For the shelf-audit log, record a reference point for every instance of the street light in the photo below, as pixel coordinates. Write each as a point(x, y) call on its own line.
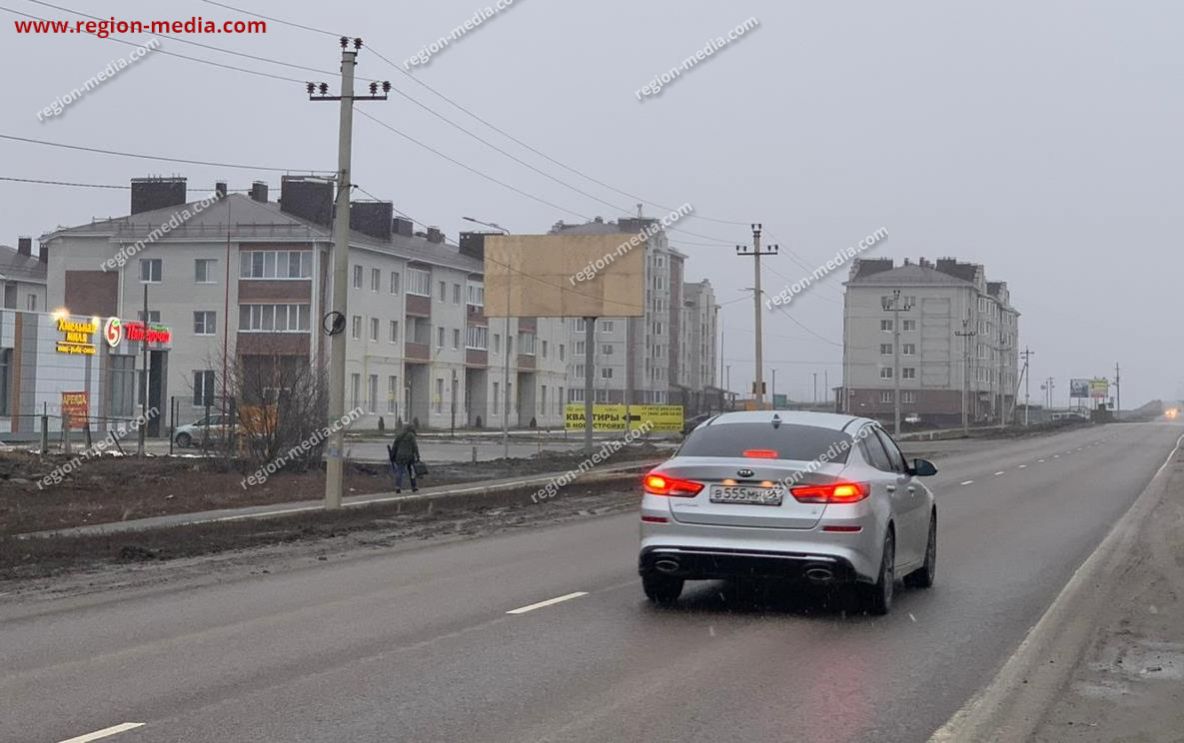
point(506, 377)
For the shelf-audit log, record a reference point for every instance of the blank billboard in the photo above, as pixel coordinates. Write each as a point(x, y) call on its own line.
point(565, 275)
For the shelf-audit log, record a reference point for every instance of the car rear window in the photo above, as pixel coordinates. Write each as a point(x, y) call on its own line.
point(804, 443)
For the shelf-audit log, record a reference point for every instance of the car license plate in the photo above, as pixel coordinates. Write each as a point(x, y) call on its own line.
point(745, 495)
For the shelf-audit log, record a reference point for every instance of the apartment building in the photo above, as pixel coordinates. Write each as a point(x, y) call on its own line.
point(22, 277)
point(697, 372)
point(642, 355)
point(959, 331)
point(250, 279)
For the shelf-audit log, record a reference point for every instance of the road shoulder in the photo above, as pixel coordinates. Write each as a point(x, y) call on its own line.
point(1042, 678)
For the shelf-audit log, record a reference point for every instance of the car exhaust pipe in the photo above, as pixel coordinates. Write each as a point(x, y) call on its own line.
point(667, 566)
point(819, 574)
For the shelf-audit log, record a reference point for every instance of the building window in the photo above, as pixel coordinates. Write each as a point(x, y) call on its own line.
point(606, 326)
point(908, 326)
point(544, 349)
point(355, 388)
point(394, 282)
point(275, 264)
point(606, 372)
point(580, 348)
point(394, 331)
point(439, 395)
point(204, 270)
point(606, 349)
point(357, 277)
point(476, 337)
point(496, 398)
point(909, 349)
point(526, 344)
point(203, 388)
point(885, 326)
point(580, 325)
point(31, 303)
point(392, 395)
point(575, 394)
point(456, 338)
point(273, 318)
point(886, 372)
point(6, 374)
point(543, 399)
point(153, 316)
point(122, 385)
point(205, 323)
point(373, 393)
point(375, 280)
point(442, 291)
point(440, 337)
point(561, 349)
point(419, 282)
point(908, 396)
point(497, 343)
point(374, 330)
point(579, 371)
point(355, 331)
point(908, 372)
point(150, 270)
point(456, 293)
point(886, 397)
point(476, 293)
point(601, 396)
point(885, 349)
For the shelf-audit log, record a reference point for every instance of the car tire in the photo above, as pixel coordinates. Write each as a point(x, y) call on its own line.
point(662, 589)
point(878, 596)
point(923, 576)
point(184, 440)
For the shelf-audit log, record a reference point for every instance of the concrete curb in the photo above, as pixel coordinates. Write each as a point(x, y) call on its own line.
point(1014, 703)
point(457, 492)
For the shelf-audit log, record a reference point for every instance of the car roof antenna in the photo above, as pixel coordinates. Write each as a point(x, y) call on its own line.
point(776, 421)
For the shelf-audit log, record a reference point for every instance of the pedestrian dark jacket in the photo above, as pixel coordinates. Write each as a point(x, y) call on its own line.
point(406, 448)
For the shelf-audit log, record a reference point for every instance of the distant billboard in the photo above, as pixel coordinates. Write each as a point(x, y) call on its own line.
point(1099, 389)
point(611, 417)
point(1079, 387)
point(565, 275)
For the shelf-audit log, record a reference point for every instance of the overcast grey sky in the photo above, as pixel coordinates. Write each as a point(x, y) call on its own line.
point(1041, 139)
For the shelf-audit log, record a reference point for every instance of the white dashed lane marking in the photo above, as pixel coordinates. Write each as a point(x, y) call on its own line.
point(1000, 472)
point(123, 727)
point(968, 482)
point(548, 602)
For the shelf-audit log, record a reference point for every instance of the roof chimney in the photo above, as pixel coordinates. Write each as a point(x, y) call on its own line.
point(403, 227)
point(259, 192)
point(24, 245)
point(435, 235)
point(157, 193)
point(220, 189)
point(372, 218)
point(307, 198)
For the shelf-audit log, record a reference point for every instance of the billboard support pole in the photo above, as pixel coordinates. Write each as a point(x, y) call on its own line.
point(589, 347)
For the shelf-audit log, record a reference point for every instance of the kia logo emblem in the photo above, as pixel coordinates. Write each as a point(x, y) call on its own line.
point(745, 473)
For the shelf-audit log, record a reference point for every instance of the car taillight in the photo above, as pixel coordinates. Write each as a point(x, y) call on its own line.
point(656, 484)
point(837, 492)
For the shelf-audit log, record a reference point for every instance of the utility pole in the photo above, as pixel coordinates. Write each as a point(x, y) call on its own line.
point(896, 306)
point(774, 390)
point(815, 388)
point(589, 361)
point(1117, 392)
point(143, 432)
point(1027, 354)
point(335, 321)
point(965, 335)
point(759, 384)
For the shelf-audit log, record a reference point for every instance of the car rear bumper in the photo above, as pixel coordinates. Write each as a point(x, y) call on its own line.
point(699, 563)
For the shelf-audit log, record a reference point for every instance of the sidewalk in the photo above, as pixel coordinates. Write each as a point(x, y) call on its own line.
point(1129, 683)
point(439, 492)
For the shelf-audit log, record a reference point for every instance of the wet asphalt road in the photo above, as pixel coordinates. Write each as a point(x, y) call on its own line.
point(418, 645)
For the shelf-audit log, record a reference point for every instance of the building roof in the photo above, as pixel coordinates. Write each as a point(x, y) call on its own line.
point(908, 275)
point(257, 221)
point(17, 267)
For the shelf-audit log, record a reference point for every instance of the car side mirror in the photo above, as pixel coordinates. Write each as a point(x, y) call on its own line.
point(923, 468)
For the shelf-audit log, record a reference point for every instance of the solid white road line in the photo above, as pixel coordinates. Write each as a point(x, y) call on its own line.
point(122, 727)
point(1000, 472)
point(968, 482)
point(1023, 466)
point(548, 602)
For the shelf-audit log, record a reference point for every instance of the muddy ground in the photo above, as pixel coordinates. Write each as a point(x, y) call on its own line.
point(82, 564)
point(122, 488)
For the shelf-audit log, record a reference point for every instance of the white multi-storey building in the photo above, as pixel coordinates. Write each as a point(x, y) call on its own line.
point(959, 332)
point(246, 278)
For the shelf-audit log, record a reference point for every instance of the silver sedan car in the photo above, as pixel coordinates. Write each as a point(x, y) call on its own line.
point(813, 497)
